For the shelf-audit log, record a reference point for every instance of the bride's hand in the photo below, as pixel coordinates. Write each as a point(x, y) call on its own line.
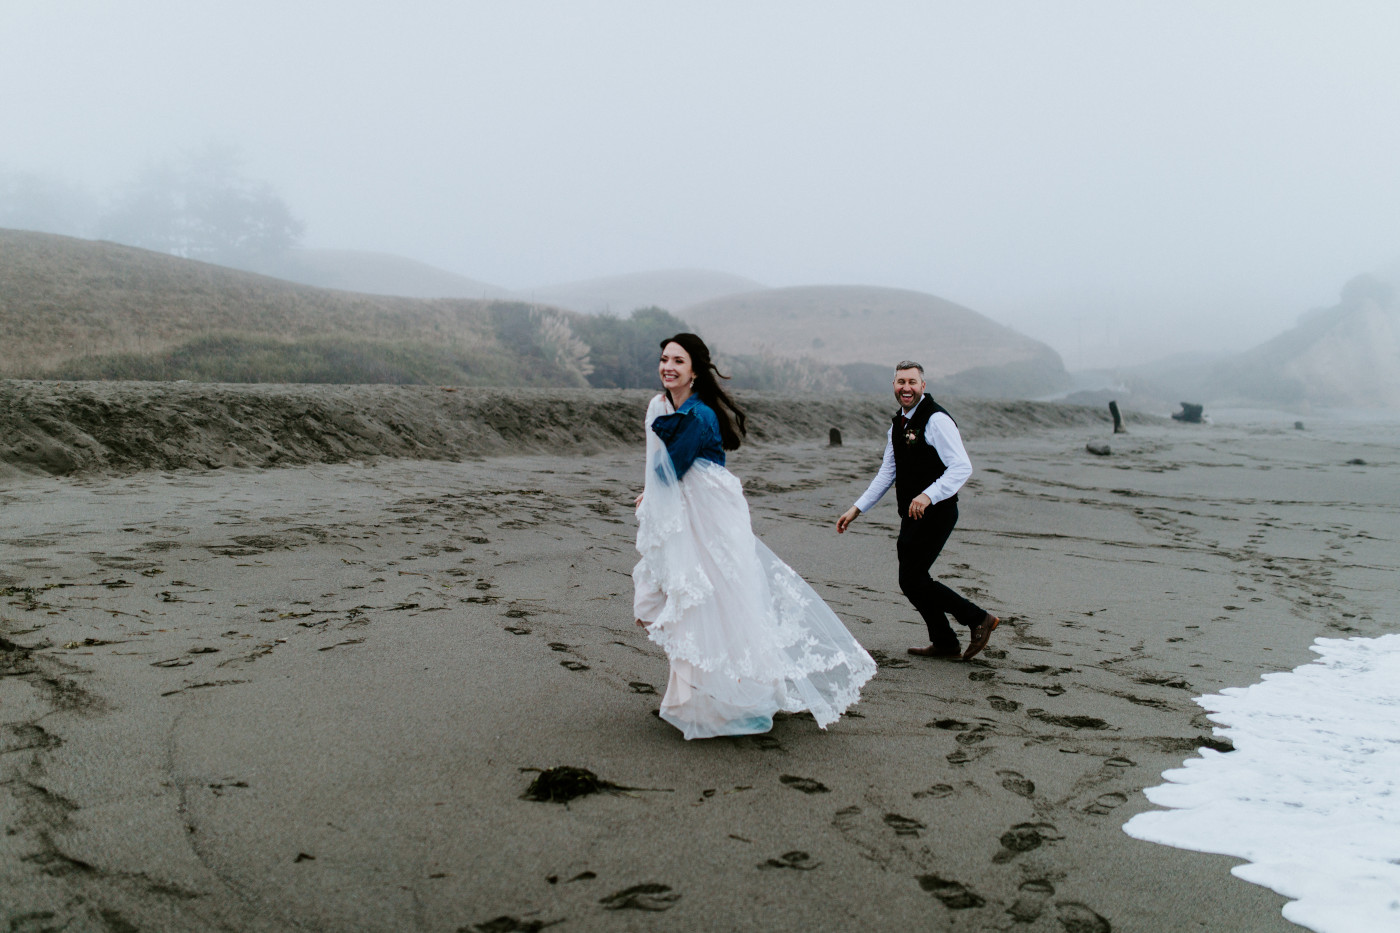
point(638, 503)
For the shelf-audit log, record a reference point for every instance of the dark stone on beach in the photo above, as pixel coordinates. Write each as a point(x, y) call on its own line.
point(835, 438)
point(1099, 450)
point(1297, 425)
point(1190, 413)
point(1356, 461)
point(1118, 427)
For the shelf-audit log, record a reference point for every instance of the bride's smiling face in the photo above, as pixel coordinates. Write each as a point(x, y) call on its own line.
point(675, 367)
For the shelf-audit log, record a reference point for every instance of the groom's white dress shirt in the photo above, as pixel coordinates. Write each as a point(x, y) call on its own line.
point(942, 435)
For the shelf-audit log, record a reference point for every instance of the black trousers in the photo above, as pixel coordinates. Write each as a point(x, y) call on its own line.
point(920, 541)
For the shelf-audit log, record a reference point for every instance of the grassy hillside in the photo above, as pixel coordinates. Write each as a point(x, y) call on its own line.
point(79, 309)
point(63, 298)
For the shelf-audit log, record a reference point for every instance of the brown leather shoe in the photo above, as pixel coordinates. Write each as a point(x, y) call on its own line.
point(981, 632)
point(950, 654)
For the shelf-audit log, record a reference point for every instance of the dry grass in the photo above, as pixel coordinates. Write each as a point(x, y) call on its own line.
point(62, 299)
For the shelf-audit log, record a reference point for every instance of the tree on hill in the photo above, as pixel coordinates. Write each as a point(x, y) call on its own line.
point(624, 351)
point(203, 208)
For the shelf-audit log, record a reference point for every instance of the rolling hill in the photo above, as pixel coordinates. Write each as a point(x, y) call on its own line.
point(865, 330)
point(77, 309)
point(74, 309)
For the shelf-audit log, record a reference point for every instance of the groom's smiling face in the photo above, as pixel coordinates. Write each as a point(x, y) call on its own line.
point(908, 386)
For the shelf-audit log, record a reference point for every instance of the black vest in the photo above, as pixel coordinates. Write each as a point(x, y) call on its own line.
point(917, 465)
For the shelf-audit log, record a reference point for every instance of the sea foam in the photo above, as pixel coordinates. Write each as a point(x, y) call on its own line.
point(1311, 794)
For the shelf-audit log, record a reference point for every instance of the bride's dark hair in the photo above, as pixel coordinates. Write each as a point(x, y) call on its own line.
point(731, 417)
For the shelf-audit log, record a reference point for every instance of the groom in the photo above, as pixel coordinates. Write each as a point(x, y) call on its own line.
point(927, 465)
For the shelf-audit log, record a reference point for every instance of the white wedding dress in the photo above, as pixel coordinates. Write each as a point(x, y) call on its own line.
point(745, 635)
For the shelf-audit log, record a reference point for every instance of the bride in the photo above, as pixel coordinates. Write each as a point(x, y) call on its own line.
point(746, 636)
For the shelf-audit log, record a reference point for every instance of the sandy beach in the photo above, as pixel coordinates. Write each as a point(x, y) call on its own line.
point(312, 697)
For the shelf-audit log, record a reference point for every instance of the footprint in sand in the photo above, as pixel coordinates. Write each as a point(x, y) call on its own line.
point(888, 661)
point(508, 924)
point(574, 665)
point(1077, 918)
point(806, 785)
point(903, 825)
point(963, 755)
point(642, 688)
point(1003, 705)
point(954, 894)
point(937, 791)
point(1106, 803)
point(974, 737)
point(1017, 783)
point(1068, 722)
point(651, 897)
point(1031, 902)
point(796, 859)
point(1023, 837)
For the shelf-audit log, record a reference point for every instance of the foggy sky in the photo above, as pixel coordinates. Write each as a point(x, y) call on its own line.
point(1121, 180)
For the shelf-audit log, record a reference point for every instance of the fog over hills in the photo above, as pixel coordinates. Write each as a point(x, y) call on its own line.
point(384, 274)
point(1345, 356)
point(372, 274)
point(671, 289)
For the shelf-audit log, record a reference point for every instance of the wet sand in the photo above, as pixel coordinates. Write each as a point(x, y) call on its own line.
point(313, 697)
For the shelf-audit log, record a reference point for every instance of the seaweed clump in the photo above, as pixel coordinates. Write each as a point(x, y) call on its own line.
point(565, 783)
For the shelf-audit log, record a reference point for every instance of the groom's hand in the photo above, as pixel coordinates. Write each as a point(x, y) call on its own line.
point(921, 502)
point(846, 518)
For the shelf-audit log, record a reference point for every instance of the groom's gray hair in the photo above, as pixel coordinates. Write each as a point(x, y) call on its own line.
point(909, 364)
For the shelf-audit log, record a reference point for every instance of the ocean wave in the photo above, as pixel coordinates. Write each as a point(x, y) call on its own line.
point(1311, 794)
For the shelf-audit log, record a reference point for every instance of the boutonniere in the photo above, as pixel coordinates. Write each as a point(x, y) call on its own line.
point(910, 437)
